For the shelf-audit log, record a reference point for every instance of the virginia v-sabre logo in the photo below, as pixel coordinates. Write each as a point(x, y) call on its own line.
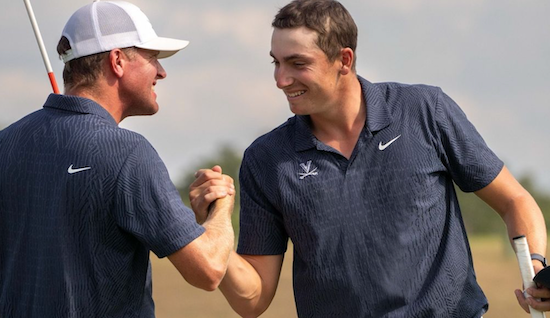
point(308, 170)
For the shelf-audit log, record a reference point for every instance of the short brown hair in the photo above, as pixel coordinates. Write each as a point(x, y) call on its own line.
point(332, 22)
point(83, 72)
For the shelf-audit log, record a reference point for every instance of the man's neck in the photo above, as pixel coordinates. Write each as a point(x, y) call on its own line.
point(103, 98)
point(341, 128)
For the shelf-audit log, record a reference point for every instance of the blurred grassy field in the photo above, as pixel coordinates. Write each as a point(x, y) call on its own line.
point(494, 262)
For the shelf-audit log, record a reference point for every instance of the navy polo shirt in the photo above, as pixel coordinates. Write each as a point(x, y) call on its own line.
point(380, 234)
point(82, 202)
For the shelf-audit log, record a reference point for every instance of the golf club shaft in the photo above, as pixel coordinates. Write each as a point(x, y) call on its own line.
point(38, 36)
point(526, 269)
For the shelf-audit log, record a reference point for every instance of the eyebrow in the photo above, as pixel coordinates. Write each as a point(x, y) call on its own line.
point(290, 57)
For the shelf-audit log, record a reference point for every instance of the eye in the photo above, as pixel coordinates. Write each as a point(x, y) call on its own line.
point(275, 62)
point(154, 56)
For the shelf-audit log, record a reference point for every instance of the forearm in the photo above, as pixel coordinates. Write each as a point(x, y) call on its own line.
point(524, 217)
point(250, 283)
point(219, 237)
point(518, 210)
point(203, 262)
point(242, 287)
point(530, 222)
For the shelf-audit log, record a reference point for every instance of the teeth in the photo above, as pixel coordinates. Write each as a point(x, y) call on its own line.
point(296, 94)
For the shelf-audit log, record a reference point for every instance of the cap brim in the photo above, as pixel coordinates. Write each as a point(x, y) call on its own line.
point(166, 46)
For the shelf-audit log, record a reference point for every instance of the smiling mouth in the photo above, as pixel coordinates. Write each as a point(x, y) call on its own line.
point(295, 94)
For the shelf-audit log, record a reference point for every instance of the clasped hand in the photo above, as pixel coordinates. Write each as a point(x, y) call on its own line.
point(209, 185)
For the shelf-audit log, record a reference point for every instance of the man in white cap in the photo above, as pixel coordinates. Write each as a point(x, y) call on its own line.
point(83, 202)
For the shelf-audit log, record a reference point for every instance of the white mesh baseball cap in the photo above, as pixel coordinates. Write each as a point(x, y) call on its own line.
point(105, 25)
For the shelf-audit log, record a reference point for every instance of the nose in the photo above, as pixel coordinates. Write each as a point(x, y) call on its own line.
point(161, 73)
point(283, 78)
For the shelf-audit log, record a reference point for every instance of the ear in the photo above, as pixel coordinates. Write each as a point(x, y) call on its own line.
point(347, 55)
point(117, 61)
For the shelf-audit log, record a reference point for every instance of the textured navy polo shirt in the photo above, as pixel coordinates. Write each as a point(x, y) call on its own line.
point(82, 202)
point(380, 234)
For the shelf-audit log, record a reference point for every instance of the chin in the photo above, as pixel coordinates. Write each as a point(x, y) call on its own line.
point(297, 111)
point(145, 112)
point(151, 110)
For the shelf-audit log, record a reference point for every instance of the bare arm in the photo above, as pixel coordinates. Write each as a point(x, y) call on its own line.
point(250, 282)
point(522, 216)
point(203, 262)
point(518, 210)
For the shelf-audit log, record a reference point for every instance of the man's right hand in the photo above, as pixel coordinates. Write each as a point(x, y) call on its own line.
point(209, 185)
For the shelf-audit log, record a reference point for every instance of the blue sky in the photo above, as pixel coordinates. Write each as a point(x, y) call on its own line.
point(491, 57)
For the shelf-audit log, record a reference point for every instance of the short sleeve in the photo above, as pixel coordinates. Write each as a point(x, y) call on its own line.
point(471, 163)
point(262, 230)
point(148, 205)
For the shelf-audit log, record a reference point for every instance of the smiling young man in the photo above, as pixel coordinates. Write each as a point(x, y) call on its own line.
point(362, 181)
point(83, 201)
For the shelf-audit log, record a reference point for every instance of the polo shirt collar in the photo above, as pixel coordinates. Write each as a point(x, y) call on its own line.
point(378, 113)
point(304, 138)
point(378, 117)
point(76, 104)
